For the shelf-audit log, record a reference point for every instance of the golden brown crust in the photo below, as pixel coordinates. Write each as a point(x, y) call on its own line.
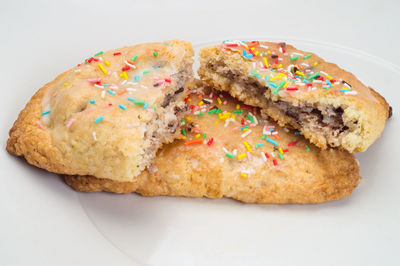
point(202, 170)
point(68, 141)
point(366, 107)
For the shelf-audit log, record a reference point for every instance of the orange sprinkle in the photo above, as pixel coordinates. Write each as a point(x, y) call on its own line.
point(122, 92)
point(193, 141)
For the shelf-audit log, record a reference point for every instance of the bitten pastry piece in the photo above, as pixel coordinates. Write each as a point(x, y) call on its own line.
point(107, 116)
point(227, 150)
point(329, 105)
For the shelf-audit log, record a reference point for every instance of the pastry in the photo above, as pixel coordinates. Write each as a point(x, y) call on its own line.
point(327, 104)
point(109, 115)
point(229, 149)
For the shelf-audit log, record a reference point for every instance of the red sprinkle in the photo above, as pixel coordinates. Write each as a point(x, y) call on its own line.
point(266, 155)
point(231, 45)
point(292, 89)
point(95, 59)
point(117, 53)
point(292, 143)
point(210, 142)
point(242, 122)
point(110, 104)
point(125, 68)
point(90, 60)
point(285, 150)
point(275, 162)
point(167, 80)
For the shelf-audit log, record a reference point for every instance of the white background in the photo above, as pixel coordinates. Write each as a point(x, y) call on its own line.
point(41, 219)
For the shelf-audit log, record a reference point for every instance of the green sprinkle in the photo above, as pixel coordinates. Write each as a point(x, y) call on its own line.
point(183, 132)
point(264, 136)
point(154, 107)
point(98, 119)
point(325, 87)
point(308, 148)
point(255, 74)
point(183, 120)
point(212, 111)
point(277, 89)
point(46, 112)
point(146, 72)
point(204, 135)
point(134, 58)
point(259, 144)
point(313, 76)
point(294, 58)
point(229, 155)
point(306, 56)
point(200, 113)
point(280, 155)
point(155, 54)
point(238, 112)
point(218, 111)
point(250, 118)
point(122, 107)
point(99, 53)
point(139, 102)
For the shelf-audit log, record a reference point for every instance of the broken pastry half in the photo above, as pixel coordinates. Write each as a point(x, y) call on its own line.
point(327, 104)
point(109, 115)
point(228, 149)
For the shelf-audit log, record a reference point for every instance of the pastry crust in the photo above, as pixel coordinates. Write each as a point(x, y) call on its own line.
point(305, 174)
point(107, 116)
point(298, 88)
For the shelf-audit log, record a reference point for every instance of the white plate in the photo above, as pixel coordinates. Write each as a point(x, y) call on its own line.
point(360, 230)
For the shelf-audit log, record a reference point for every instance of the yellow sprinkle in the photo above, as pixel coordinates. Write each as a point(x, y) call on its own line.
point(286, 84)
point(329, 77)
point(256, 53)
point(65, 84)
point(224, 116)
point(237, 106)
point(243, 175)
point(276, 77)
point(245, 129)
point(219, 100)
point(280, 65)
point(241, 156)
point(252, 48)
point(299, 73)
point(233, 116)
point(107, 63)
point(265, 62)
point(216, 122)
point(200, 103)
point(102, 68)
point(183, 137)
point(280, 150)
point(282, 75)
point(247, 146)
point(315, 63)
point(198, 136)
point(268, 52)
point(188, 118)
point(189, 100)
point(125, 75)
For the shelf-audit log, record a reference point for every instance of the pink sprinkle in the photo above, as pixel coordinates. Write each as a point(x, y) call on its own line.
point(97, 80)
point(248, 155)
point(55, 94)
point(225, 102)
point(40, 125)
point(150, 110)
point(70, 122)
point(235, 129)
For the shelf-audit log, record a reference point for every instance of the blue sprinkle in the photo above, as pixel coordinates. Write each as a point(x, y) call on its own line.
point(297, 133)
point(272, 141)
point(244, 52)
point(271, 129)
point(248, 56)
point(145, 105)
point(329, 83)
point(46, 112)
point(131, 99)
point(272, 84)
point(167, 43)
point(244, 127)
point(122, 107)
point(106, 85)
point(259, 144)
point(110, 92)
point(98, 119)
point(305, 81)
point(137, 78)
point(92, 101)
point(344, 90)
point(266, 78)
